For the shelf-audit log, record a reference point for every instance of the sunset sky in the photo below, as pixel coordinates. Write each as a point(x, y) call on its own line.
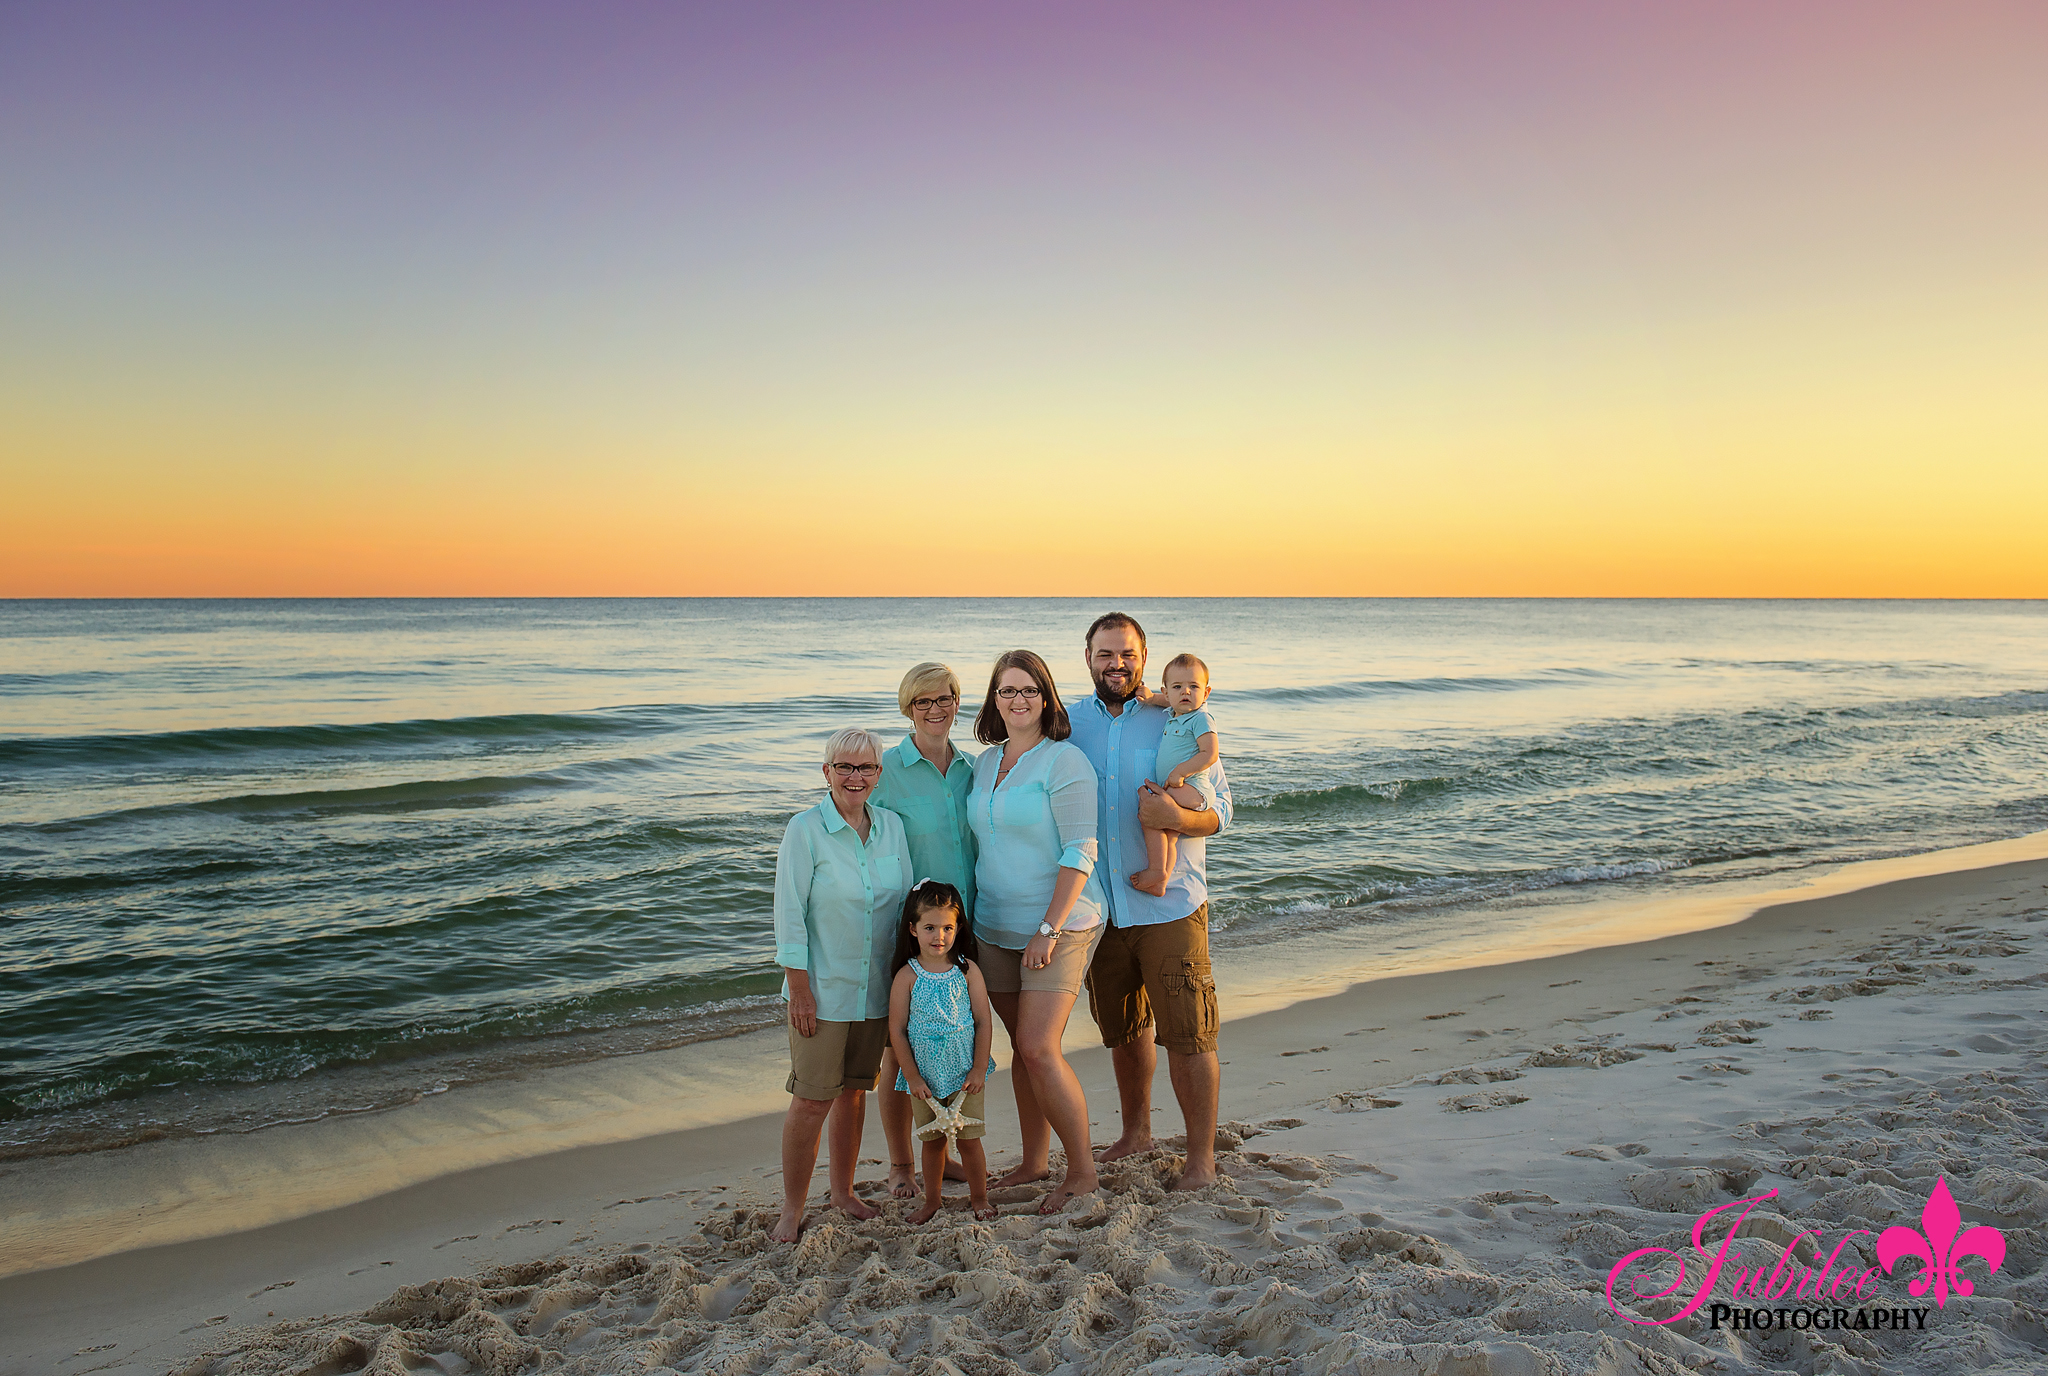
point(1378, 299)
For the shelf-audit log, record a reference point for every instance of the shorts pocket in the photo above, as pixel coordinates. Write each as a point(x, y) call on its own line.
point(1185, 974)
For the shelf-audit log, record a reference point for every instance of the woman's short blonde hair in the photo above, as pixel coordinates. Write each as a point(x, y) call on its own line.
point(928, 680)
point(853, 741)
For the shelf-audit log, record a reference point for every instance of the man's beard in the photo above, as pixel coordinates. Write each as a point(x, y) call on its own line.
point(1111, 695)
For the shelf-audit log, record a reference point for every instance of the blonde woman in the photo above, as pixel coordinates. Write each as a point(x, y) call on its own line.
point(841, 877)
point(925, 781)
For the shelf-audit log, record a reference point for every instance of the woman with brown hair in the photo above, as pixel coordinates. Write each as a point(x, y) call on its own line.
point(1038, 905)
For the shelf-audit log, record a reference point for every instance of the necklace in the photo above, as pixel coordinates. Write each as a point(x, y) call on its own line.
point(1004, 767)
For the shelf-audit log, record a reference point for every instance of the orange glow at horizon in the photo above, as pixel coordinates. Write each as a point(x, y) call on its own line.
point(1737, 301)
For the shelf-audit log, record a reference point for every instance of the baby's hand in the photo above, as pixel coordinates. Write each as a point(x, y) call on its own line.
point(1176, 779)
point(1151, 698)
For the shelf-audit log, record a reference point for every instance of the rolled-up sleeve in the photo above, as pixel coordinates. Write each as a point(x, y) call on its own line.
point(1070, 787)
point(1224, 807)
point(793, 866)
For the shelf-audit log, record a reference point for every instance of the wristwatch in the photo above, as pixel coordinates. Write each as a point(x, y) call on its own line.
point(1047, 929)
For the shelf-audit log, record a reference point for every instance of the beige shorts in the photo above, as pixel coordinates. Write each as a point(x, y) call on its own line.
point(1002, 969)
point(1161, 973)
point(921, 1113)
point(838, 1057)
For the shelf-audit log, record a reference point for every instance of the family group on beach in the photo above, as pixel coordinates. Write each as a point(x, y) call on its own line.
point(930, 887)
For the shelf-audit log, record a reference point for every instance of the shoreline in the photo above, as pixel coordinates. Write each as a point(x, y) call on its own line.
point(635, 1192)
point(78, 1206)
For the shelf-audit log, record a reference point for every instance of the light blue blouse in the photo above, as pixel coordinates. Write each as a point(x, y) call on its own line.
point(838, 903)
point(1041, 820)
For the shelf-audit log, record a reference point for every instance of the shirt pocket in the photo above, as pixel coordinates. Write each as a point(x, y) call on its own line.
point(1023, 805)
point(1144, 765)
point(921, 816)
point(887, 875)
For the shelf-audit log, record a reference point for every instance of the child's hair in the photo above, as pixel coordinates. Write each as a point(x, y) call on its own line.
point(1189, 662)
point(925, 895)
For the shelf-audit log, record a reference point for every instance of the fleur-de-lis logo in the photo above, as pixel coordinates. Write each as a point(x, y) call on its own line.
point(1940, 1249)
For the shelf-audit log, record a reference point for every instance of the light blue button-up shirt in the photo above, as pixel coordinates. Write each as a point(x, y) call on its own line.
point(838, 903)
point(934, 812)
point(1125, 752)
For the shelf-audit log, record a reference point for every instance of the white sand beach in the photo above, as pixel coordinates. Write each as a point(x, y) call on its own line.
point(1427, 1173)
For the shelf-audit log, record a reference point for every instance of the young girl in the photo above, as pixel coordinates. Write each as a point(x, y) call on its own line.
point(939, 1025)
point(1186, 753)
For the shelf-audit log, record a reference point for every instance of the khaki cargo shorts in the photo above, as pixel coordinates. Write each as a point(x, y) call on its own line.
point(1160, 975)
point(838, 1057)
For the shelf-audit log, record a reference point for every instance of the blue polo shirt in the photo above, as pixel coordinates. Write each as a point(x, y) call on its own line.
point(1125, 752)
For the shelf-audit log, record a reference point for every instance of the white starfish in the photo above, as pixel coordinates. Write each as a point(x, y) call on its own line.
point(947, 1118)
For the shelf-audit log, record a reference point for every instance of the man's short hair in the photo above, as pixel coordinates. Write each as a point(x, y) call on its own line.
point(1189, 661)
point(852, 740)
point(1105, 621)
point(930, 679)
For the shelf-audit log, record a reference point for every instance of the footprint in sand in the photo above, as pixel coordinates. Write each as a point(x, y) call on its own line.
point(1482, 1101)
point(1309, 1052)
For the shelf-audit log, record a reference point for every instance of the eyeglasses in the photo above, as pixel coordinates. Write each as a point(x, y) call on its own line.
point(927, 704)
point(848, 771)
point(1006, 694)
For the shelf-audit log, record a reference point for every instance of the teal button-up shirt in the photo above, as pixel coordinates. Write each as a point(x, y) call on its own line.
point(934, 812)
point(837, 906)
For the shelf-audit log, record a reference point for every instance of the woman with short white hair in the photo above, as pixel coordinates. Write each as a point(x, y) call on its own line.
point(840, 880)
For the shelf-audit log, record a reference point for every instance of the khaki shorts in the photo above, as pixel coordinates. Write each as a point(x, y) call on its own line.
point(921, 1113)
point(839, 1057)
point(1002, 969)
point(1158, 972)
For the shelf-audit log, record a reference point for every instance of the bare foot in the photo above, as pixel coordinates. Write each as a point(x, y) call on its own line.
point(789, 1225)
point(956, 1171)
point(1149, 881)
point(983, 1210)
point(1126, 1145)
point(924, 1214)
point(1023, 1175)
point(1196, 1178)
point(1073, 1187)
point(859, 1208)
point(902, 1181)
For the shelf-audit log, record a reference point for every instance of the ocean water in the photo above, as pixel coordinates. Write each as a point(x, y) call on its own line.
point(269, 860)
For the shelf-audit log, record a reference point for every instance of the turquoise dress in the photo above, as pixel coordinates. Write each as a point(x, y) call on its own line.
point(940, 1027)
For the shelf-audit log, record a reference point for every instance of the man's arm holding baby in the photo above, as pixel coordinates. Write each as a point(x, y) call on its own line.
point(1157, 809)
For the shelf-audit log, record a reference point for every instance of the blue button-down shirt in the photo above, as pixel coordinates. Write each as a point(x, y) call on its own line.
point(838, 903)
point(1125, 752)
